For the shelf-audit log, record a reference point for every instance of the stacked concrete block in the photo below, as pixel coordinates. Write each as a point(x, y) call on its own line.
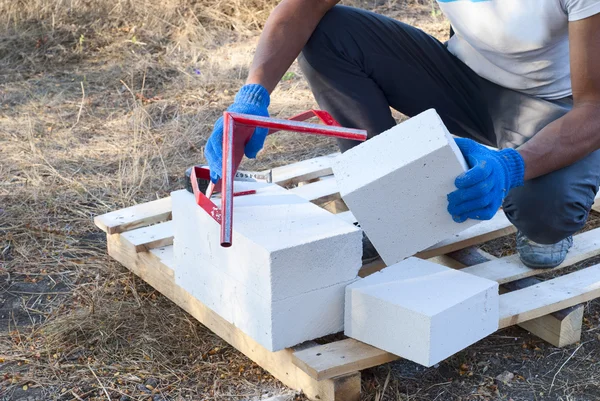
point(421, 311)
point(282, 282)
point(396, 185)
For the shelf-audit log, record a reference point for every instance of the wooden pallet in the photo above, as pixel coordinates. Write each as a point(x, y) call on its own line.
point(141, 238)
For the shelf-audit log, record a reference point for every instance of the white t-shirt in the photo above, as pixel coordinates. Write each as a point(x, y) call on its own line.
point(518, 44)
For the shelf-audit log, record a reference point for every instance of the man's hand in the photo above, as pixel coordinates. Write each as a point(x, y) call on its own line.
point(483, 187)
point(251, 99)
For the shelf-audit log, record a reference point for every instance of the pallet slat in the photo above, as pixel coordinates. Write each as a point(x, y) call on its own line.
point(320, 191)
point(303, 171)
point(509, 268)
point(340, 357)
point(549, 296)
point(147, 238)
point(135, 216)
point(560, 328)
point(497, 227)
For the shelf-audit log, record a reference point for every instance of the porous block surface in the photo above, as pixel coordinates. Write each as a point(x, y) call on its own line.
point(421, 311)
point(396, 185)
point(282, 281)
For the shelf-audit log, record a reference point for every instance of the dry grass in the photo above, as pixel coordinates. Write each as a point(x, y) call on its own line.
point(103, 104)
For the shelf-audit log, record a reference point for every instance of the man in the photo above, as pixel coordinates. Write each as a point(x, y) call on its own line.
point(521, 75)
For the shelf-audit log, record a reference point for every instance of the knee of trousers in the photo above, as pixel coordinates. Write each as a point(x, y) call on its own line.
point(546, 218)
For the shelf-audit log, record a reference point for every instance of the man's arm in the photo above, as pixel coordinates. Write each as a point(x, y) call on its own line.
point(576, 134)
point(286, 31)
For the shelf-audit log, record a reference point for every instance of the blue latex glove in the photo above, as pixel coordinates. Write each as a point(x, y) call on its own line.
point(251, 99)
point(481, 189)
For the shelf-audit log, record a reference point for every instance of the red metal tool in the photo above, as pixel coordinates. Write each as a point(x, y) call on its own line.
point(238, 128)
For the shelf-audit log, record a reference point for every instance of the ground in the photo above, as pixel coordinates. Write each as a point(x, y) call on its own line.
point(103, 105)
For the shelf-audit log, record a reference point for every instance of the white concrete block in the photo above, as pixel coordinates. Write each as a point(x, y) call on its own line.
point(273, 324)
point(396, 185)
point(283, 245)
point(282, 282)
point(421, 311)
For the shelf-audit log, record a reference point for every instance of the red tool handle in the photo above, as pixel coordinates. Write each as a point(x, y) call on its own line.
point(233, 151)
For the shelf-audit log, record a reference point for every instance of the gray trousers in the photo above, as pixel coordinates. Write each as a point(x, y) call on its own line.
point(359, 64)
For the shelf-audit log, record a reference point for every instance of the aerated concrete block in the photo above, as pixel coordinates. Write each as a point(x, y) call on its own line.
point(396, 185)
point(282, 281)
point(421, 311)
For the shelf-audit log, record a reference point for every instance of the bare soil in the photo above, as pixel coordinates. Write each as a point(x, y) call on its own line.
point(103, 105)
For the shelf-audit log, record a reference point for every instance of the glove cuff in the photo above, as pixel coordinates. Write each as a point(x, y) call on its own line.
point(254, 94)
point(515, 165)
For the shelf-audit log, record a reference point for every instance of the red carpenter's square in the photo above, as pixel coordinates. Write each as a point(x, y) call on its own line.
point(237, 130)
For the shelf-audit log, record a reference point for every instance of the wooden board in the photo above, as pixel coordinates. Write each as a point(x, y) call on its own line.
point(488, 230)
point(135, 216)
point(340, 357)
point(504, 270)
point(145, 238)
point(560, 328)
point(303, 171)
point(549, 296)
point(151, 269)
point(320, 191)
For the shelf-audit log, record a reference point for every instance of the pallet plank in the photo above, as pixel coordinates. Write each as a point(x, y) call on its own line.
point(560, 328)
point(320, 191)
point(149, 268)
point(488, 230)
point(549, 296)
point(510, 268)
point(136, 216)
point(340, 357)
point(303, 171)
point(146, 238)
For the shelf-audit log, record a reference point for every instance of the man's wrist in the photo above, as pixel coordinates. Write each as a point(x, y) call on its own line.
point(254, 94)
point(515, 166)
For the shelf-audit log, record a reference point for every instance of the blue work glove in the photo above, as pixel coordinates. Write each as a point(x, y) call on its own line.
point(251, 99)
point(481, 189)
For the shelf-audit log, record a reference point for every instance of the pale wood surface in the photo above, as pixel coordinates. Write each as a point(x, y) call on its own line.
point(135, 216)
point(485, 231)
point(510, 268)
point(146, 238)
point(320, 191)
point(560, 328)
point(303, 171)
point(150, 268)
point(549, 296)
point(340, 357)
